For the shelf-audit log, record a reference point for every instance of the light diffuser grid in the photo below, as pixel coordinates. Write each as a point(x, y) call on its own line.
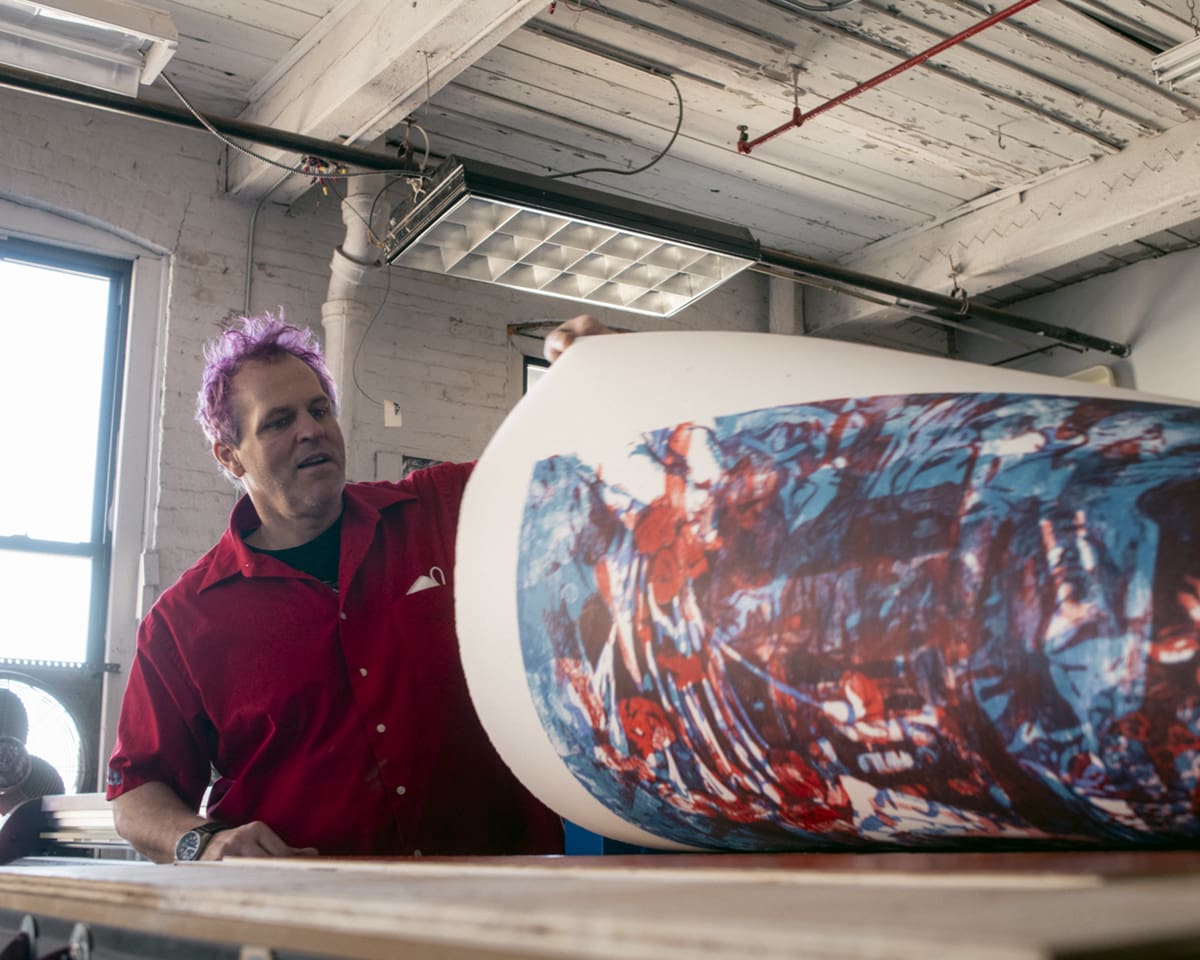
point(496, 242)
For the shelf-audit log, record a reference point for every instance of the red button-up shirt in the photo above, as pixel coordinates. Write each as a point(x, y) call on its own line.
point(340, 719)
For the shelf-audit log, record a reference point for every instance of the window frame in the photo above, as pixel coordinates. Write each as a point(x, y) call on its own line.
point(78, 685)
point(528, 361)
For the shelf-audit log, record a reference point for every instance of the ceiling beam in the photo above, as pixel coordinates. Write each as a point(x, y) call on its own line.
point(365, 68)
point(1149, 187)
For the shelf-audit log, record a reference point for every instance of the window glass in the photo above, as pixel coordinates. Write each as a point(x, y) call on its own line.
point(46, 603)
point(54, 327)
point(534, 367)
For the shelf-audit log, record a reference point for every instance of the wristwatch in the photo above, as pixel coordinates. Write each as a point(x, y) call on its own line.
point(192, 843)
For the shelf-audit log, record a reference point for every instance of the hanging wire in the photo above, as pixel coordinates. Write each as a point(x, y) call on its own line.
point(307, 169)
point(320, 175)
point(387, 289)
point(366, 221)
point(646, 166)
point(428, 86)
point(250, 231)
point(409, 126)
point(415, 184)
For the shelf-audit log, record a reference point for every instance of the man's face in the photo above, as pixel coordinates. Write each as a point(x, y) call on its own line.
point(290, 457)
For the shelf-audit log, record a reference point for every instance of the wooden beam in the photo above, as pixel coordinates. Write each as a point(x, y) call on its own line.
point(365, 68)
point(1149, 187)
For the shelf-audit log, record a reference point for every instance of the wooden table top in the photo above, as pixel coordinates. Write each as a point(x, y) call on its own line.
point(992, 906)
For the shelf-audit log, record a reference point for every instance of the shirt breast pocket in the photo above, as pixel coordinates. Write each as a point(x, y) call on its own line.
point(422, 637)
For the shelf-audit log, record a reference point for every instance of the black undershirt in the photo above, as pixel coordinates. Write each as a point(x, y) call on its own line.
point(318, 558)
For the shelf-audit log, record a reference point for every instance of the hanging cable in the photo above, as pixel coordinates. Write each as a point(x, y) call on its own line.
point(416, 183)
point(309, 163)
point(646, 166)
point(250, 240)
point(410, 125)
point(387, 289)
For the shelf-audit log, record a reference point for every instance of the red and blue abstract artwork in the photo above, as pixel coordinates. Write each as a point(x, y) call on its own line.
point(912, 620)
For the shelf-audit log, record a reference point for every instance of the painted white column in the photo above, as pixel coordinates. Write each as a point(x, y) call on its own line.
point(347, 310)
point(785, 307)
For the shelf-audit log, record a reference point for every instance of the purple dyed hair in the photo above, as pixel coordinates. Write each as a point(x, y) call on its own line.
point(264, 338)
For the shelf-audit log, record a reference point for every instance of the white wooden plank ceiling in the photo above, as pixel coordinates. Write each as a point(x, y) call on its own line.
point(1033, 154)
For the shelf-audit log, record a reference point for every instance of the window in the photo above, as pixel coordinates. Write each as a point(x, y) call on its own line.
point(63, 319)
point(534, 368)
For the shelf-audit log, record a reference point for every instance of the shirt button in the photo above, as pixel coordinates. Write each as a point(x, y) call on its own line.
point(401, 791)
point(381, 728)
point(342, 614)
point(363, 671)
point(416, 853)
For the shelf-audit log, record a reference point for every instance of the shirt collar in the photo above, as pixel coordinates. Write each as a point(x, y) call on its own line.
point(361, 505)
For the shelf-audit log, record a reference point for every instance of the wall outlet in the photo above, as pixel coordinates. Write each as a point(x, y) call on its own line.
point(391, 414)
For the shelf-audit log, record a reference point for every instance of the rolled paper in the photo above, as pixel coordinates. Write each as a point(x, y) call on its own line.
point(749, 592)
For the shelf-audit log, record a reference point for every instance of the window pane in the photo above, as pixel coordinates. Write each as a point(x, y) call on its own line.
point(45, 600)
point(53, 325)
point(534, 370)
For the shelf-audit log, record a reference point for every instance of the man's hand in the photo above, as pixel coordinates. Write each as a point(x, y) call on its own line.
point(567, 333)
point(251, 840)
point(153, 818)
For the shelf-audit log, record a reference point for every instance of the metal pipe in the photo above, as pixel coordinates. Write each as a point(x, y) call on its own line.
point(251, 132)
point(940, 304)
point(745, 145)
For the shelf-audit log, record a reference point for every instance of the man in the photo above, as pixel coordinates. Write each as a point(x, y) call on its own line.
point(309, 658)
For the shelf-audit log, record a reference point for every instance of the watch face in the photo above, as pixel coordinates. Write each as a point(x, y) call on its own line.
point(190, 846)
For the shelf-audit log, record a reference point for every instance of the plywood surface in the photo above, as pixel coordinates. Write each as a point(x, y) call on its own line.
point(877, 906)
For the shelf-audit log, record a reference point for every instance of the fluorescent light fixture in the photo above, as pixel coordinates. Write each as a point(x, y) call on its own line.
point(482, 222)
point(111, 44)
point(1179, 64)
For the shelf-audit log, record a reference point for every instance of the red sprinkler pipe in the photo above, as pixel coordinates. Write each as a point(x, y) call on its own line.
point(799, 117)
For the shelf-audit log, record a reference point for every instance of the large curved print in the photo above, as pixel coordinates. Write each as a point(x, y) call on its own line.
point(911, 619)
